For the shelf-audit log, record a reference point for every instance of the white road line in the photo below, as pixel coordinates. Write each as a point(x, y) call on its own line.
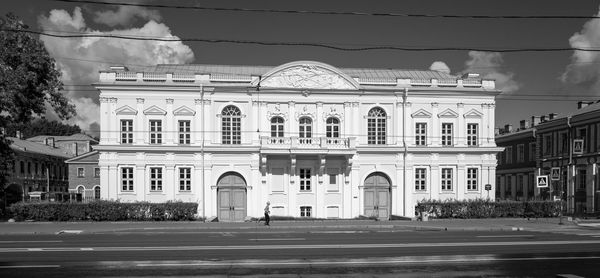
point(339, 232)
point(31, 241)
point(276, 239)
point(590, 234)
point(507, 236)
point(300, 246)
point(30, 266)
point(69, 232)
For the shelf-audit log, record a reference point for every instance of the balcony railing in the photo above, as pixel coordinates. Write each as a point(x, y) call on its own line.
point(308, 143)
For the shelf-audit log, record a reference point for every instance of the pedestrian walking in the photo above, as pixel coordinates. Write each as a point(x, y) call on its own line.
point(267, 212)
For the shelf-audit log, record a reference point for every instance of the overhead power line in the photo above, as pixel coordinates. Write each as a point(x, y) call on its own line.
point(321, 12)
point(320, 45)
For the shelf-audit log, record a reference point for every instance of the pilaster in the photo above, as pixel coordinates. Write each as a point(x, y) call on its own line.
point(139, 127)
point(170, 126)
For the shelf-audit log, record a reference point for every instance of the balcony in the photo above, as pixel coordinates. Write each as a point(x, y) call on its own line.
point(316, 145)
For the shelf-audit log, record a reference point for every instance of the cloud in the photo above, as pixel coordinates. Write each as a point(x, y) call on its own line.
point(488, 65)
point(584, 68)
point(125, 15)
point(440, 66)
point(80, 59)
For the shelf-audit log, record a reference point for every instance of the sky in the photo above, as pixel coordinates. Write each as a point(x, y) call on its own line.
point(532, 83)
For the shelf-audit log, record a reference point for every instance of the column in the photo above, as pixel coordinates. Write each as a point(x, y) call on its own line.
point(436, 136)
point(105, 114)
point(356, 206)
point(397, 124)
point(209, 120)
point(114, 122)
point(319, 130)
point(461, 185)
point(107, 193)
point(409, 125)
point(259, 195)
point(139, 127)
point(139, 182)
point(491, 122)
point(461, 137)
point(292, 124)
point(170, 127)
point(435, 183)
point(346, 121)
point(197, 182)
point(255, 122)
point(197, 126)
point(484, 137)
point(358, 126)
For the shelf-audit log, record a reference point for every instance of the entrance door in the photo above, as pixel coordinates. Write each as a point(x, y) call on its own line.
point(231, 196)
point(377, 196)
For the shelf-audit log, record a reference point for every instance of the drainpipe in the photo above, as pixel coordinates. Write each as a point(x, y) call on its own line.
point(404, 98)
point(202, 152)
point(570, 168)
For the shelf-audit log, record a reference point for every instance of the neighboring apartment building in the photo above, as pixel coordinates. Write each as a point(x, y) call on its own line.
point(74, 145)
point(314, 140)
point(84, 177)
point(572, 144)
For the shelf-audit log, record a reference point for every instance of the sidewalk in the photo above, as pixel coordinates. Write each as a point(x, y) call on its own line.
point(498, 224)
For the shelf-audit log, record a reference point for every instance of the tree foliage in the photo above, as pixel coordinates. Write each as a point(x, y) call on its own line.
point(42, 126)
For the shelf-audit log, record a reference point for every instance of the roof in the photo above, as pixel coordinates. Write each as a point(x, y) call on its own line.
point(33, 147)
point(240, 70)
point(74, 137)
point(90, 157)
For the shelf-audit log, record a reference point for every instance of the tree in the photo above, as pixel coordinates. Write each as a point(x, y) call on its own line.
point(29, 82)
point(42, 126)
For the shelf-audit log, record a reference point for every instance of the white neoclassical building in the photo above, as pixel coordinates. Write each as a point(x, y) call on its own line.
point(314, 140)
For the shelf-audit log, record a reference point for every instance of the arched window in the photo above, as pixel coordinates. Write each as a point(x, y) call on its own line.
point(97, 192)
point(231, 125)
point(277, 127)
point(305, 128)
point(376, 126)
point(332, 127)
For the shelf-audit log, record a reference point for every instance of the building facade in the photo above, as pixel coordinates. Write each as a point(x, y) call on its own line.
point(84, 177)
point(314, 140)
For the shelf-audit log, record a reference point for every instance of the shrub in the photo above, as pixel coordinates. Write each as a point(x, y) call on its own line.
point(104, 211)
point(483, 208)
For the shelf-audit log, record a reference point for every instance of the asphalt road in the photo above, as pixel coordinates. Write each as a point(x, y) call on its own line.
point(270, 252)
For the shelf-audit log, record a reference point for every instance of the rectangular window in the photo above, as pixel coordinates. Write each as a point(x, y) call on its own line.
point(531, 152)
point(305, 211)
point(508, 155)
point(520, 185)
point(446, 134)
point(305, 179)
point(184, 132)
point(548, 144)
point(421, 134)
point(563, 142)
point(155, 132)
point(472, 130)
point(581, 177)
point(472, 177)
point(96, 172)
point(420, 179)
point(581, 133)
point(185, 179)
point(508, 188)
point(520, 153)
point(155, 179)
point(447, 179)
point(126, 131)
point(530, 186)
point(127, 179)
point(80, 172)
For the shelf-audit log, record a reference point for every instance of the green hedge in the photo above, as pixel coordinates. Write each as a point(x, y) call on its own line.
point(104, 211)
point(483, 208)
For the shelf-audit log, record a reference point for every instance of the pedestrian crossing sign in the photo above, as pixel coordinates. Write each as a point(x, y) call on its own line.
point(555, 173)
point(542, 181)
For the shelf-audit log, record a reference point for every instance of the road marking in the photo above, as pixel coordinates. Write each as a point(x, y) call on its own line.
point(277, 239)
point(339, 232)
point(31, 241)
point(30, 266)
point(507, 236)
point(308, 246)
point(69, 232)
point(86, 249)
point(590, 234)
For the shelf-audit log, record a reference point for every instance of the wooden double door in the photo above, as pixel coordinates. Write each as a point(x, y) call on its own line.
point(377, 202)
point(231, 196)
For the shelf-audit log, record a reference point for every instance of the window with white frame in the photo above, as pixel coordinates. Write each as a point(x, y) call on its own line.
point(277, 127)
point(155, 131)
point(185, 132)
point(155, 179)
point(305, 179)
point(332, 127)
point(231, 125)
point(421, 179)
point(305, 211)
point(472, 130)
point(447, 179)
point(127, 179)
point(520, 153)
point(472, 177)
point(126, 131)
point(333, 179)
point(421, 134)
point(305, 129)
point(185, 179)
point(376, 126)
point(80, 172)
point(96, 172)
point(447, 134)
point(508, 155)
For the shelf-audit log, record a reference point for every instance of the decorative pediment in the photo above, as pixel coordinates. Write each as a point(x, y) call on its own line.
point(125, 110)
point(448, 113)
point(421, 113)
point(184, 111)
point(154, 110)
point(333, 112)
point(473, 114)
point(304, 112)
point(307, 75)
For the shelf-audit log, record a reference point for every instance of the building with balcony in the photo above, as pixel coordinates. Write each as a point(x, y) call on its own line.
point(314, 140)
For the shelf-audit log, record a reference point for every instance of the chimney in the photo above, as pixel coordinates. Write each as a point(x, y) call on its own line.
point(581, 104)
point(508, 128)
point(552, 116)
point(542, 118)
point(535, 120)
point(50, 141)
point(523, 124)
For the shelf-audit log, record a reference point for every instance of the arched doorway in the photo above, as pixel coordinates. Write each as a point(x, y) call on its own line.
point(377, 201)
point(231, 197)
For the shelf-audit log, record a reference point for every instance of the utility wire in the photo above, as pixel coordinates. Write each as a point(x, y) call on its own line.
point(322, 12)
point(328, 46)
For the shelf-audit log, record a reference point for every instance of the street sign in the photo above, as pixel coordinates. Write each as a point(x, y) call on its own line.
point(488, 187)
point(578, 146)
point(542, 181)
point(555, 173)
